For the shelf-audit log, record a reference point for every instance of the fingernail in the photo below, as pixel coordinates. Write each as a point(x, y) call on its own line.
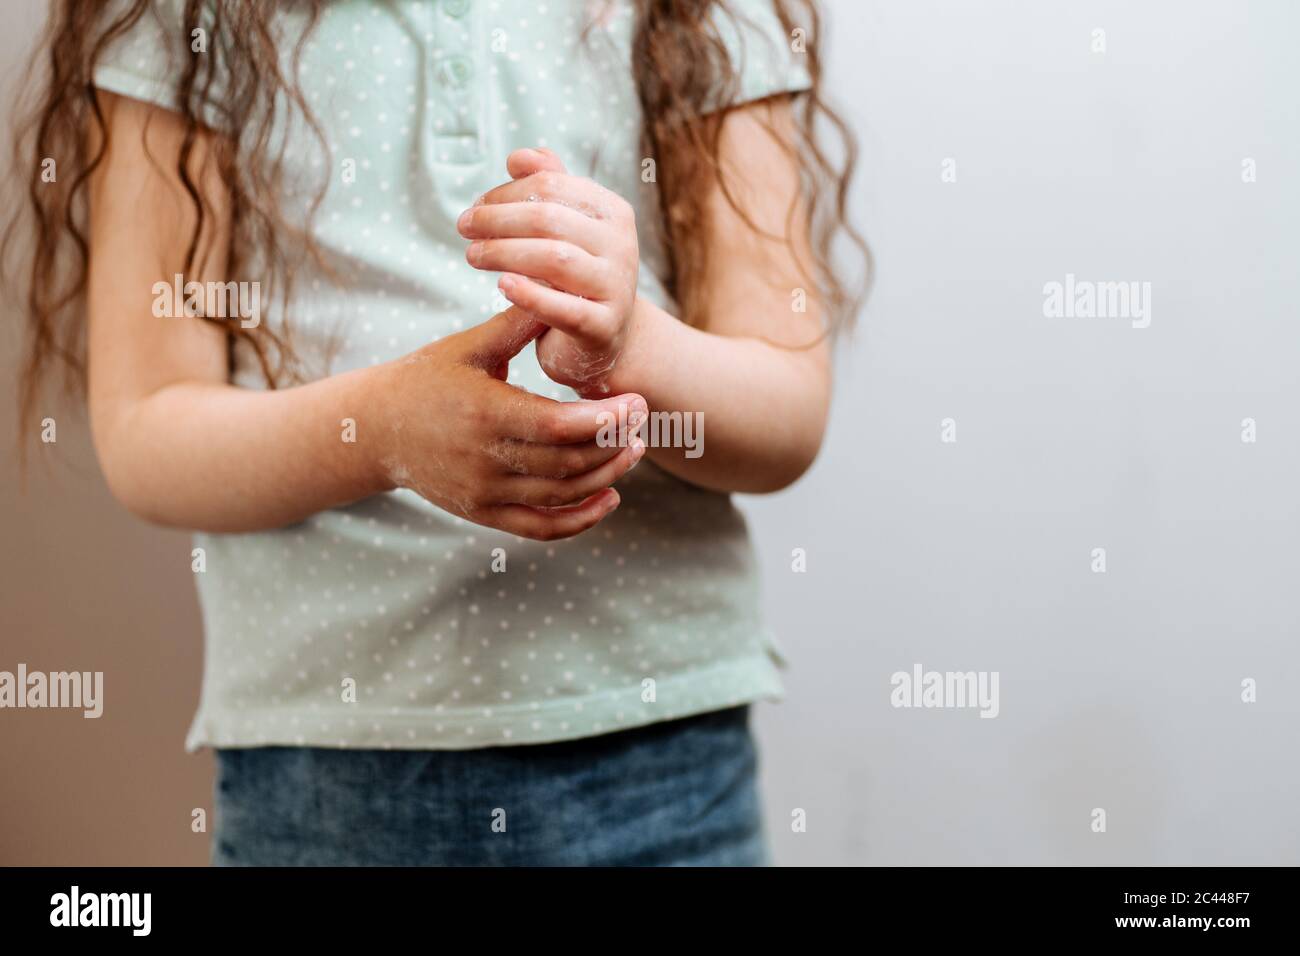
point(465, 219)
point(637, 413)
point(474, 253)
point(638, 449)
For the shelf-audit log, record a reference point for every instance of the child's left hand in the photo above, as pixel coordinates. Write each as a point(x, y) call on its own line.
point(568, 249)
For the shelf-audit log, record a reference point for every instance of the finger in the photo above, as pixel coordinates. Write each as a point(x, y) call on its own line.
point(534, 159)
point(579, 317)
point(553, 493)
point(560, 263)
point(551, 461)
point(586, 196)
point(493, 343)
point(550, 524)
point(533, 220)
point(548, 422)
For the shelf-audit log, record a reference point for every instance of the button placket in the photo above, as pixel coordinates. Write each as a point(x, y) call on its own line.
point(456, 134)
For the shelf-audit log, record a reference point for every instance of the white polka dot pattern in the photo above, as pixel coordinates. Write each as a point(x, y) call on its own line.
point(387, 623)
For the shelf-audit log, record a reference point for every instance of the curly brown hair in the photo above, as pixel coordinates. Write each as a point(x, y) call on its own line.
point(681, 66)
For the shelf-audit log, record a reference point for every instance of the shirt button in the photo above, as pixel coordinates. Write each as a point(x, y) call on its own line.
point(455, 71)
point(455, 8)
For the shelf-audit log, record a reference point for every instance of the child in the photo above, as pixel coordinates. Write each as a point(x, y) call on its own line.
point(448, 620)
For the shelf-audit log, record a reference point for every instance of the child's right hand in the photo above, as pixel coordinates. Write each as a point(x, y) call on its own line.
point(453, 431)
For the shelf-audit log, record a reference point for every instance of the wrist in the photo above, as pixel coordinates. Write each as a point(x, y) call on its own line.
point(647, 328)
point(368, 399)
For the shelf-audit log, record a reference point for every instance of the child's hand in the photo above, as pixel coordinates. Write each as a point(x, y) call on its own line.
point(568, 248)
point(456, 434)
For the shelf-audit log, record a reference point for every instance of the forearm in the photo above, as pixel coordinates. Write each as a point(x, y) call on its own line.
point(214, 457)
point(763, 407)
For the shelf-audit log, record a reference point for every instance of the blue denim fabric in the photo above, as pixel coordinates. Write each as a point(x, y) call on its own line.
point(683, 792)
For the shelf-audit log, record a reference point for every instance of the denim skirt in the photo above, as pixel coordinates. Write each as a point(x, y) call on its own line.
point(677, 793)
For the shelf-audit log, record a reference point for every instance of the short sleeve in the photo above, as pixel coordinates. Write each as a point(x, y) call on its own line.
point(767, 59)
point(141, 63)
point(146, 61)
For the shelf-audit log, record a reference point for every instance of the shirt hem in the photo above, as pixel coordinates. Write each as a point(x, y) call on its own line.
point(407, 728)
point(146, 89)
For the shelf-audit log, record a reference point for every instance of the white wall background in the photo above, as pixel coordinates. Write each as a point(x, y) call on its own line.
point(1119, 690)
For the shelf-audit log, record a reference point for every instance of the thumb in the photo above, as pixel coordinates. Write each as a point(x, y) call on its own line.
point(536, 159)
point(494, 343)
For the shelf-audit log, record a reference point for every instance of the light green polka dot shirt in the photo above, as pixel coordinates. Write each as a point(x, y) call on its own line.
point(390, 623)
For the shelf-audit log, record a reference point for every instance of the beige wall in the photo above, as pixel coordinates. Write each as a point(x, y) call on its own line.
point(84, 586)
